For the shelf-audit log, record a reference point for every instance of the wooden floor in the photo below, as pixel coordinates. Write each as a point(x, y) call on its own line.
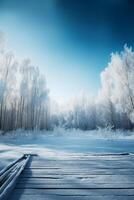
point(98, 177)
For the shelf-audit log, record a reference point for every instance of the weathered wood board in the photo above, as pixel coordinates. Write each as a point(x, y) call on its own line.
point(73, 177)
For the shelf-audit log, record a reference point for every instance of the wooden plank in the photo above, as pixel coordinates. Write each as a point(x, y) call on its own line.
point(82, 171)
point(81, 176)
point(76, 192)
point(108, 160)
point(79, 164)
point(54, 197)
point(85, 156)
point(88, 166)
point(86, 177)
point(82, 180)
point(76, 186)
point(83, 164)
point(84, 160)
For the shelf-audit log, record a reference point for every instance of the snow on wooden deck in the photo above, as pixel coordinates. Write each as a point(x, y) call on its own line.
point(88, 177)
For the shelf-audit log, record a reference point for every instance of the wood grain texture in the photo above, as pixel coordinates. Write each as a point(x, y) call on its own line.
point(73, 177)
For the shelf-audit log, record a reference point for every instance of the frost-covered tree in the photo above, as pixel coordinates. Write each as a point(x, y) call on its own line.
point(117, 92)
point(80, 115)
point(24, 99)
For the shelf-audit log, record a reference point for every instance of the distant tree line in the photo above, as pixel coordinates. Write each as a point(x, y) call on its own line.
point(25, 102)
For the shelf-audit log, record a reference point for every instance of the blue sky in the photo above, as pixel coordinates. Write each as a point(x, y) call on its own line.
point(70, 40)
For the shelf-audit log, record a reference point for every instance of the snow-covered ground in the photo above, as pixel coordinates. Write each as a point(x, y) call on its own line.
point(63, 142)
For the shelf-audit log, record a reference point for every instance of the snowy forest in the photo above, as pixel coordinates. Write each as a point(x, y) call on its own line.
point(25, 102)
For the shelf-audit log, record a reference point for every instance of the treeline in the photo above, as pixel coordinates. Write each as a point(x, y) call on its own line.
point(114, 105)
point(24, 100)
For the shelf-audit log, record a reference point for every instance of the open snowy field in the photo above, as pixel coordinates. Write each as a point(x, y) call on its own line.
point(61, 142)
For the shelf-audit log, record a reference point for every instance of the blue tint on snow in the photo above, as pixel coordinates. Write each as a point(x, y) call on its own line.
point(77, 144)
